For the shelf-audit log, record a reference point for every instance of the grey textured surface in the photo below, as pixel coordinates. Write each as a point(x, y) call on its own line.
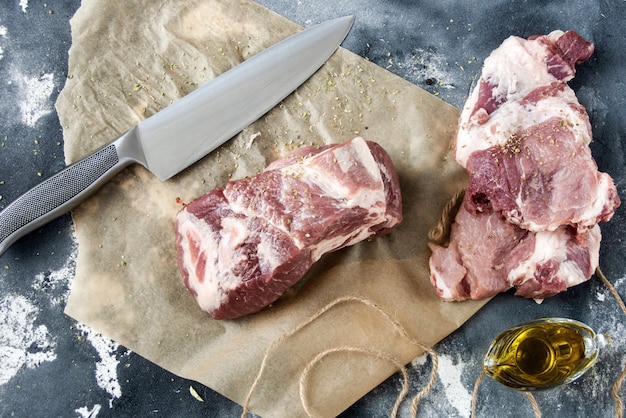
point(50, 366)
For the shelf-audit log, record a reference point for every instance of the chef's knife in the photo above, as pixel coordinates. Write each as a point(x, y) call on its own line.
point(182, 133)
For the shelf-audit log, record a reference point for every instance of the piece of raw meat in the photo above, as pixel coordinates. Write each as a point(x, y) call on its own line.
point(240, 247)
point(488, 255)
point(534, 197)
point(523, 138)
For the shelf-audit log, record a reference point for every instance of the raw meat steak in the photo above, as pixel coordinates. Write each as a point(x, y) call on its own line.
point(523, 138)
point(529, 217)
point(488, 255)
point(240, 247)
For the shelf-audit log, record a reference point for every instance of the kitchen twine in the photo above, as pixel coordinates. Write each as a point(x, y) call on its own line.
point(354, 350)
point(440, 234)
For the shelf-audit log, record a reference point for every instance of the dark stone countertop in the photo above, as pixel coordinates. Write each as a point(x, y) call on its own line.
point(52, 366)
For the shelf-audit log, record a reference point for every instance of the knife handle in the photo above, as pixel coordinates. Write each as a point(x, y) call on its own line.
point(58, 194)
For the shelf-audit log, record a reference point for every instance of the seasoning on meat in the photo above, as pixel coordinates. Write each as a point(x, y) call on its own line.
point(534, 195)
point(240, 247)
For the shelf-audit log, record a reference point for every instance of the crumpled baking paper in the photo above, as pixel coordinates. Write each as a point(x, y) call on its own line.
point(127, 61)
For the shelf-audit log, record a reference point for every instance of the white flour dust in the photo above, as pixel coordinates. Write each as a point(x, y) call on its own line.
point(106, 368)
point(452, 390)
point(57, 283)
point(3, 35)
point(88, 413)
point(450, 375)
point(22, 343)
point(34, 96)
point(426, 65)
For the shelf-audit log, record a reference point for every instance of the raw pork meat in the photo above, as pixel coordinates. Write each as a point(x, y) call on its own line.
point(523, 138)
point(240, 247)
point(488, 255)
point(534, 195)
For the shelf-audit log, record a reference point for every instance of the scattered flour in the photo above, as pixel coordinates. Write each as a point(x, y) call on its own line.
point(425, 64)
point(57, 284)
point(619, 282)
point(106, 368)
point(24, 5)
point(22, 343)
point(34, 96)
point(3, 34)
point(419, 360)
point(450, 376)
point(88, 413)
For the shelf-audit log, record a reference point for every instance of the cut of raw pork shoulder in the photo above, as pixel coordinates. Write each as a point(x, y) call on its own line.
point(524, 138)
point(488, 255)
point(240, 247)
point(534, 195)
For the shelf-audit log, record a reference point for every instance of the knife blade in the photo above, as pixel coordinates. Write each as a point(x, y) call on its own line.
point(184, 132)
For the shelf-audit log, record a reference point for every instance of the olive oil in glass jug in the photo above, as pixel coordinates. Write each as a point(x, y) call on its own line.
point(543, 353)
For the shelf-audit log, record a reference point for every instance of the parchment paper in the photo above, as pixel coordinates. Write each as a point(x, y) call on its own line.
point(130, 59)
